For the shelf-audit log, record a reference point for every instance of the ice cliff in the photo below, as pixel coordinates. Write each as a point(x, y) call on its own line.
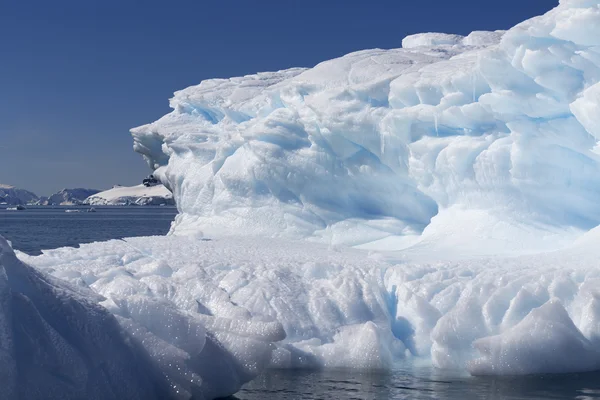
point(491, 137)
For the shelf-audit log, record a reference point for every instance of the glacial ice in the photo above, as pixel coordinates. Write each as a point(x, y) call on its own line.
point(390, 149)
point(437, 201)
point(57, 342)
point(323, 306)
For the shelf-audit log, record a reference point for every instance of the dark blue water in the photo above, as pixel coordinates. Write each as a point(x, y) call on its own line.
point(416, 383)
point(40, 228)
point(45, 227)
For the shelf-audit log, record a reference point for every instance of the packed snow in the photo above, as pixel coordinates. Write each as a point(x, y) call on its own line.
point(438, 201)
point(132, 195)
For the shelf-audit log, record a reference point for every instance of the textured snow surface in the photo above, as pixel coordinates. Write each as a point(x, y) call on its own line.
point(492, 135)
point(57, 342)
point(137, 195)
point(351, 308)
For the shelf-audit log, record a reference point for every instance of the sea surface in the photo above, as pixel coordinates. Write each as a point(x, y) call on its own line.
point(48, 227)
point(39, 228)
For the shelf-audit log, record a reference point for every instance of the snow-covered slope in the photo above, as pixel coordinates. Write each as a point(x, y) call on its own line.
point(69, 197)
point(13, 196)
point(137, 195)
point(489, 137)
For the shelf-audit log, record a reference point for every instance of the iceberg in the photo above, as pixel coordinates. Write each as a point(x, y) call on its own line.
point(438, 201)
point(454, 143)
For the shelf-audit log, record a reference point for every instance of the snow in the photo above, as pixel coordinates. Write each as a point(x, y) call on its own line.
point(438, 201)
point(137, 195)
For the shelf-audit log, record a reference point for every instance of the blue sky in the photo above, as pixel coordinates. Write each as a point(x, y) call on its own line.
point(76, 75)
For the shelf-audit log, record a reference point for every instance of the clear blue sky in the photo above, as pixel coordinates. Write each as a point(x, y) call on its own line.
point(75, 75)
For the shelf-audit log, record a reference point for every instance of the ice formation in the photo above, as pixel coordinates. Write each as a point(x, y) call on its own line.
point(58, 342)
point(453, 166)
point(344, 307)
point(490, 136)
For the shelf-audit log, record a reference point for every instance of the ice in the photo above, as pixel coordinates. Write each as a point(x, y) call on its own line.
point(325, 307)
point(438, 201)
point(386, 149)
point(59, 342)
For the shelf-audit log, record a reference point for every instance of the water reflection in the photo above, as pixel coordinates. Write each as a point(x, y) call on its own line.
point(416, 383)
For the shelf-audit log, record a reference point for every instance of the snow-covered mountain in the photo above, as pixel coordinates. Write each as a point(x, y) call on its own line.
point(434, 155)
point(12, 196)
point(132, 195)
point(68, 197)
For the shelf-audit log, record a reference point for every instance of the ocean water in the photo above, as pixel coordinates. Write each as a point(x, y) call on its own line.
point(416, 382)
point(39, 228)
point(49, 227)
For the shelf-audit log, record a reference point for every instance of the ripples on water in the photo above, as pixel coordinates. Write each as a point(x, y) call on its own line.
point(416, 383)
point(44, 227)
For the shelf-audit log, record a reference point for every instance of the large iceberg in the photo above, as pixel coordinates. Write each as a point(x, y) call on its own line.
point(486, 141)
point(437, 201)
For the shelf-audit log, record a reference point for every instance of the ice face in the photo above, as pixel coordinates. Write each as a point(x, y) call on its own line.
point(383, 148)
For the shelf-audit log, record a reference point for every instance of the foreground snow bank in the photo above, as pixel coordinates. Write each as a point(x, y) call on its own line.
point(387, 148)
point(352, 308)
point(58, 342)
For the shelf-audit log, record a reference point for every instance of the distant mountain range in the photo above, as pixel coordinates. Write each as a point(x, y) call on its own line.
point(67, 197)
point(118, 195)
point(12, 196)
